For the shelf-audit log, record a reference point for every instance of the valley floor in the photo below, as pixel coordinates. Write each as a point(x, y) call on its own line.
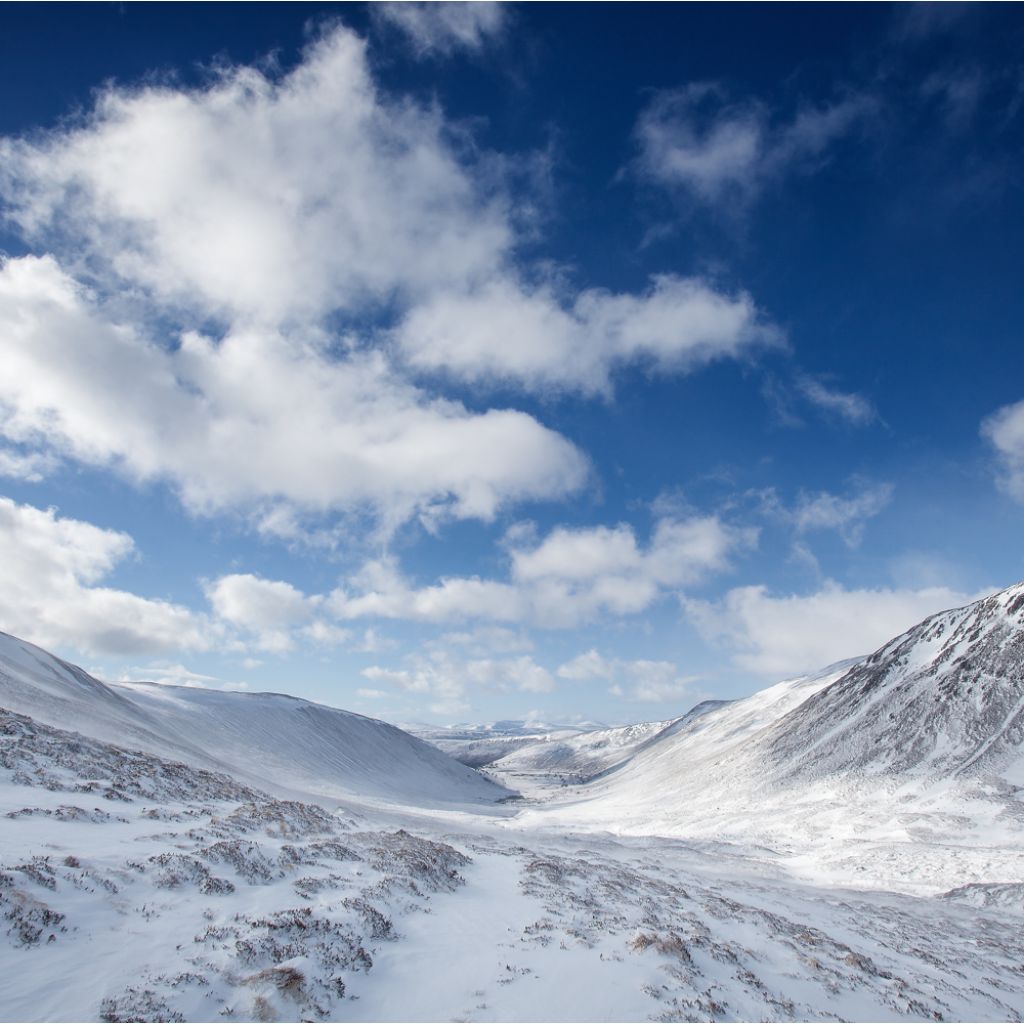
point(135, 889)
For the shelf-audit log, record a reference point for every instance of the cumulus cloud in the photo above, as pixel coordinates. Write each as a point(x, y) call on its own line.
point(446, 678)
point(567, 578)
point(571, 576)
point(782, 635)
point(1004, 430)
point(258, 263)
point(258, 198)
point(269, 609)
point(440, 29)
point(51, 569)
point(503, 332)
point(331, 434)
point(641, 681)
point(276, 614)
point(247, 600)
point(698, 141)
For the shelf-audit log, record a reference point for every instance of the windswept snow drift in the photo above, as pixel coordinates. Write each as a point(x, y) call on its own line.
point(279, 743)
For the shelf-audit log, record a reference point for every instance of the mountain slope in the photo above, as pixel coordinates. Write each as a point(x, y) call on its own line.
point(480, 745)
point(945, 698)
point(699, 761)
point(280, 743)
point(583, 757)
point(904, 768)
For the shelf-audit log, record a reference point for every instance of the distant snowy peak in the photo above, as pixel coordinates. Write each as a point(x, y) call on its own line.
point(482, 745)
point(280, 743)
point(946, 697)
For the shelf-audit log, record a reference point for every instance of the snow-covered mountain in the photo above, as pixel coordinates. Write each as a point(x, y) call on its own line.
point(706, 759)
point(480, 745)
point(855, 766)
point(137, 888)
point(944, 699)
point(576, 759)
point(279, 743)
point(848, 844)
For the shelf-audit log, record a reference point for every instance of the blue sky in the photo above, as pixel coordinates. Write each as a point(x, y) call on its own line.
point(465, 362)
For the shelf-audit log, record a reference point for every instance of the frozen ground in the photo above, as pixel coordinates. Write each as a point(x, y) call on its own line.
point(701, 869)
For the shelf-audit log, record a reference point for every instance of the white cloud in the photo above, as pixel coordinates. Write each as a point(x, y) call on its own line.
point(569, 577)
point(845, 405)
point(846, 515)
point(502, 332)
point(680, 552)
point(275, 612)
point(255, 603)
point(588, 665)
point(783, 635)
point(1004, 430)
point(489, 640)
point(439, 29)
point(258, 198)
point(30, 467)
point(331, 434)
point(170, 674)
point(328, 635)
point(721, 152)
point(379, 590)
point(328, 238)
point(641, 681)
point(50, 571)
point(446, 678)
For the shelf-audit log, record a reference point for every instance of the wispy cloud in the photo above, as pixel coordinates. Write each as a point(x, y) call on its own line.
point(790, 399)
point(698, 141)
point(845, 513)
point(845, 405)
point(441, 29)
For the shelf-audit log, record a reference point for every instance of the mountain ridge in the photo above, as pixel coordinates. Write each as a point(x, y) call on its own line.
point(277, 742)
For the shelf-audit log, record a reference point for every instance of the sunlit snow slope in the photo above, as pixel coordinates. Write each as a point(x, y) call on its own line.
point(581, 758)
point(278, 742)
point(944, 699)
point(915, 752)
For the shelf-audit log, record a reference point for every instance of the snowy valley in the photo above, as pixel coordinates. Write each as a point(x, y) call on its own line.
point(848, 845)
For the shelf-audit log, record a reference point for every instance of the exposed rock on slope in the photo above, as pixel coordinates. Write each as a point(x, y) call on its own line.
point(945, 698)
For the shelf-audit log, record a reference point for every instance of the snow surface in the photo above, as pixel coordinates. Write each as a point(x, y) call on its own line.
point(282, 744)
point(846, 845)
point(481, 745)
